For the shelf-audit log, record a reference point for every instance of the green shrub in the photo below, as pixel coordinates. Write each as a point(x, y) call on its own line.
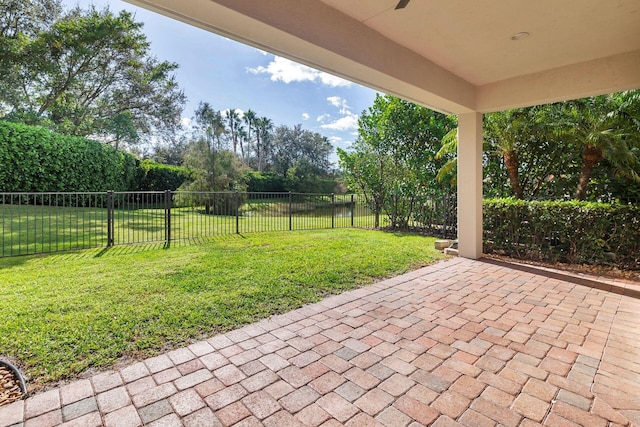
point(565, 231)
point(159, 177)
point(265, 182)
point(34, 159)
point(296, 181)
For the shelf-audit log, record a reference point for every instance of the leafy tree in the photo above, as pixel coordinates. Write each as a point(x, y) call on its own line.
point(393, 161)
point(366, 168)
point(215, 168)
point(297, 147)
point(87, 73)
point(289, 159)
point(213, 171)
point(26, 17)
point(21, 20)
point(170, 152)
point(299, 159)
point(303, 177)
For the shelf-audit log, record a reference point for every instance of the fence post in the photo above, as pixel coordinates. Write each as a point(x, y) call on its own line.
point(237, 213)
point(445, 215)
point(167, 216)
point(290, 212)
point(333, 210)
point(110, 218)
point(352, 210)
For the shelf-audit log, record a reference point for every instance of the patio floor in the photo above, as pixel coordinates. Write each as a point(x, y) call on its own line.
point(461, 342)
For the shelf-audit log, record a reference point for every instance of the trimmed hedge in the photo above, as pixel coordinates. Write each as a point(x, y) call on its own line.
point(264, 182)
point(564, 231)
point(267, 182)
point(159, 177)
point(34, 159)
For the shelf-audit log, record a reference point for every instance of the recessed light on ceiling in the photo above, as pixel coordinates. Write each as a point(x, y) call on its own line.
point(520, 36)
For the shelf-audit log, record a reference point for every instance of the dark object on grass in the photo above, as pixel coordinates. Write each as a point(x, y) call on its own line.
point(12, 384)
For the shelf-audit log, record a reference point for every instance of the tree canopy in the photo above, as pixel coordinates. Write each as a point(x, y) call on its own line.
point(585, 149)
point(84, 73)
point(393, 161)
point(290, 159)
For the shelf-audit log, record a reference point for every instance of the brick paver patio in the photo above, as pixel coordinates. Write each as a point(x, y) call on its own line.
point(461, 342)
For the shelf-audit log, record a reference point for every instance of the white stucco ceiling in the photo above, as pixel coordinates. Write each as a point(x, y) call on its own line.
point(452, 55)
point(472, 39)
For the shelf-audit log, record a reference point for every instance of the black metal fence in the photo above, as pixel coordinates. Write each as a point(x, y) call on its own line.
point(33, 223)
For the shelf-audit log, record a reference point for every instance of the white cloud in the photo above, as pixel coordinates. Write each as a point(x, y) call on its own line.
point(281, 69)
point(323, 118)
point(341, 103)
point(305, 116)
point(337, 101)
point(347, 122)
point(333, 81)
point(335, 139)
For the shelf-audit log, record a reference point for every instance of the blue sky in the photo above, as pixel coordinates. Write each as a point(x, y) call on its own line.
point(228, 74)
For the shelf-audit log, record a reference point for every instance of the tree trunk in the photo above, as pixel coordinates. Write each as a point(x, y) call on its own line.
point(511, 163)
point(258, 152)
point(591, 156)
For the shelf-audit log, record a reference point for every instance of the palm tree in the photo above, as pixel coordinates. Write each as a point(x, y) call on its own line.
point(504, 135)
point(242, 139)
point(606, 127)
point(264, 126)
point(249, 118)
point(210, 123)
point(233, 123)
point(449, 151)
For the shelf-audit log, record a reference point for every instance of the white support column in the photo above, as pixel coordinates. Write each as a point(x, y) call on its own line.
point(470, 185)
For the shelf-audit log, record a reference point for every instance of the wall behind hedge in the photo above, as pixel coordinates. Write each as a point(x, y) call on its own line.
point(565, 231)
point(34, 159)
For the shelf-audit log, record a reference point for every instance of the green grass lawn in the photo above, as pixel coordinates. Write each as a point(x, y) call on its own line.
point(64, 313)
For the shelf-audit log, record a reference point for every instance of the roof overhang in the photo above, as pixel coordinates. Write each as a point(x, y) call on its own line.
point(452, 56)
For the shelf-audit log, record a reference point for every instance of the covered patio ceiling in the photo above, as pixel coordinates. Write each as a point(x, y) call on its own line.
point(454, 56)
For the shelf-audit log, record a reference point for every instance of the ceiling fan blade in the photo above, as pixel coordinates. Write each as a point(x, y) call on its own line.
point(401, 4)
